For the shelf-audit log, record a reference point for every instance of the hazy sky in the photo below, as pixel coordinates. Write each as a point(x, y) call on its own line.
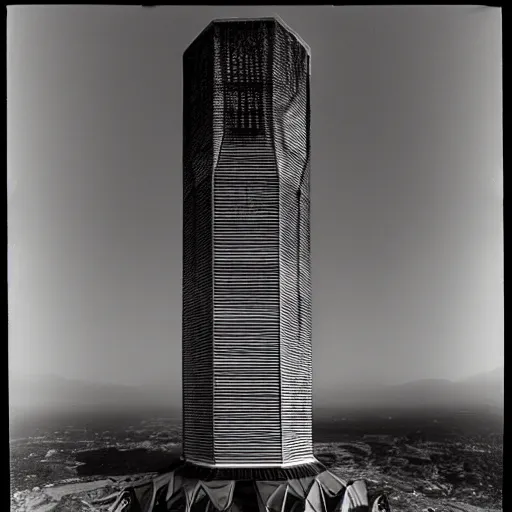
point(406, 189)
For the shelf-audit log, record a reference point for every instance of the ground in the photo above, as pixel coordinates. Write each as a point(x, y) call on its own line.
point(67, 468)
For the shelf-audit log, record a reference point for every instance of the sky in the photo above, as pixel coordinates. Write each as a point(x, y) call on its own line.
point(406, 190)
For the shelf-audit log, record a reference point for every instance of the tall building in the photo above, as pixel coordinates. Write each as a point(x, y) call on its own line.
point(247, 408)
point(247, 365)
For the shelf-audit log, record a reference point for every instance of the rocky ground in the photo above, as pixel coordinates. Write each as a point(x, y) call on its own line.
point(421, 475)
point(71, 469)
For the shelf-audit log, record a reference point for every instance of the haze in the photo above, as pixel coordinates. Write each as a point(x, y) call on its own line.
point(406, 190)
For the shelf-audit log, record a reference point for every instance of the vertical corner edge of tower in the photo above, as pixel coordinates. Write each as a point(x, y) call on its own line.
point(294, 33)
point(199, 36)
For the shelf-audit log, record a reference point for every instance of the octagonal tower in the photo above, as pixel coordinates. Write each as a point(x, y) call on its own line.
point(247, 365)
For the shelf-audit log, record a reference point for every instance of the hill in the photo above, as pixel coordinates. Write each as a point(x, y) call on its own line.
point(482, 391)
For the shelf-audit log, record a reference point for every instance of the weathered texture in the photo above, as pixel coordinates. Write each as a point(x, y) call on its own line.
point(247, 365)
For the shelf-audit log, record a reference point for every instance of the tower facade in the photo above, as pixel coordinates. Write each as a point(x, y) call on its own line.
point(247, 365)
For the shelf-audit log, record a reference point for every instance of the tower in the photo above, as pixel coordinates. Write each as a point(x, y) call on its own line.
point(247, 366)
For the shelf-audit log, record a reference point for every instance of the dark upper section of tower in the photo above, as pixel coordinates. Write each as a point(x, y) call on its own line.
point(243, 77)
point(225, 24)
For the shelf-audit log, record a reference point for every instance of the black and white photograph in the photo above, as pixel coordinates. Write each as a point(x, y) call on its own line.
point(255, 258)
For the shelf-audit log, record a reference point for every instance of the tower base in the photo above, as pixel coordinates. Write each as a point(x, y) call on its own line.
point(187, 487)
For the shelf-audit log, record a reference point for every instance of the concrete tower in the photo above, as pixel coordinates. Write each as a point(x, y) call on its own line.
point(247, 411)
point(247, 366)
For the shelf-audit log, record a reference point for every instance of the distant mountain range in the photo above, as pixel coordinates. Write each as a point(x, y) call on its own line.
point(484, 390)
point(48, 392)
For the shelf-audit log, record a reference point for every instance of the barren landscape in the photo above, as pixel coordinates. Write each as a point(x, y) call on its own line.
point(450, 462)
